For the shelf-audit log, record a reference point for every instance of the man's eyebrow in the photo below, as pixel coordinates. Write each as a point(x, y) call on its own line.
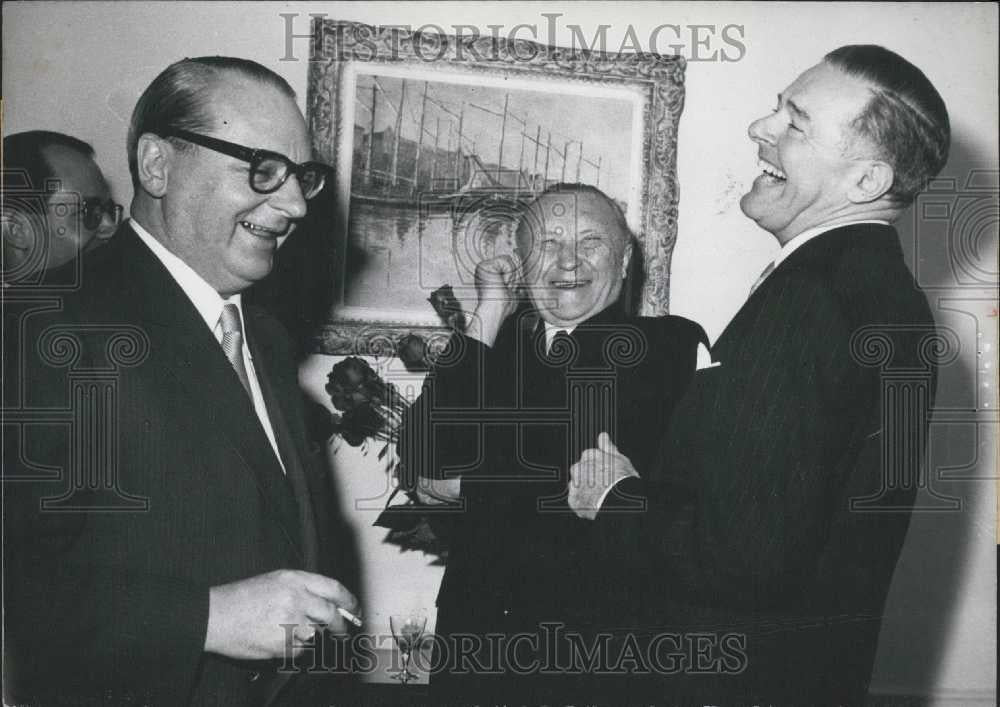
point(799, 112)
point(794, 107)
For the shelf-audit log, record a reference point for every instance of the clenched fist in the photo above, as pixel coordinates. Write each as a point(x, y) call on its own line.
point(497, 280)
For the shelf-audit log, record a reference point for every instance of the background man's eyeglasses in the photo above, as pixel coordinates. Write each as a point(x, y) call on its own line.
point(95, 209)
point(91, 211)
point(268, 170)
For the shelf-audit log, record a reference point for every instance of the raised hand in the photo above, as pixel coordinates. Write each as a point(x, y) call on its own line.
point(439, 491)
point(248, 619)
point(497, 280)
point(597, 471)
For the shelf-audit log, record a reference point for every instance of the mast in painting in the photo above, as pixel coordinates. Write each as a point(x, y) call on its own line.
point(369, 162)
point(393, 175)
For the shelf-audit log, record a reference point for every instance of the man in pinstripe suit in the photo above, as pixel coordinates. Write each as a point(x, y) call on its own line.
point(780, 499)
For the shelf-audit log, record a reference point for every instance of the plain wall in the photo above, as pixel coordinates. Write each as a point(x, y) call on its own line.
point(79, 68)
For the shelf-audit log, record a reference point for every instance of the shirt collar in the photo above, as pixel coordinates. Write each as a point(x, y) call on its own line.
point(807, 235)
point(611, 313)
point(203, 296)
point(551, 330)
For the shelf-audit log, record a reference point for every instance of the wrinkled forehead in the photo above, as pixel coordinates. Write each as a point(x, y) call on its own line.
point(570, 215)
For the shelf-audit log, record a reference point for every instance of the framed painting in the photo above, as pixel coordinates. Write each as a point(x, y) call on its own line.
point(438, 141)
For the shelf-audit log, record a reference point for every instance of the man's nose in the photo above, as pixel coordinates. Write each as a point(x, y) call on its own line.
point(289, 199)
point(107, 227)
point(762, 130)
point(568, 255)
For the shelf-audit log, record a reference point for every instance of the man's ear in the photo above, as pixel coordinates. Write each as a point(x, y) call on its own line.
point(870, 182)
point(627, 257)
point(154, 157)
point(20, 241)
point(17, 231)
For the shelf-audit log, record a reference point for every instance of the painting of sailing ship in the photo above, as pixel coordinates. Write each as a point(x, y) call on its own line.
point(439, 170)
point(437, 142)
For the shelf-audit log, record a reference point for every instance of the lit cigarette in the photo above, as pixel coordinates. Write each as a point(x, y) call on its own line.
point(349, 616)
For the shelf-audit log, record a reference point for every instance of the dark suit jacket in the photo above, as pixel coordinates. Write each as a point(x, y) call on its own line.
point(781, 495)
point(510, 422)
point(108, 588)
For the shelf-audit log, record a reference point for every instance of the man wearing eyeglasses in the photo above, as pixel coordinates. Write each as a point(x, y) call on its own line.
point(202, 567)
point(57, 204)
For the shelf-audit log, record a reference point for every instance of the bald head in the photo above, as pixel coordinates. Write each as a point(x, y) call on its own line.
point(58, 202)
point(575, 246)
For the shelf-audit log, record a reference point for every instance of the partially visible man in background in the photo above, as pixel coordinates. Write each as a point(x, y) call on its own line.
point(57, 204)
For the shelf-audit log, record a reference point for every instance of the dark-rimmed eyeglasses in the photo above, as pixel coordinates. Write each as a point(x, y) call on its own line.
point(91, 210)
point(268, 170)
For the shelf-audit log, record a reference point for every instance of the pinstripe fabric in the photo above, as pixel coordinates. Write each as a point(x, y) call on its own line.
point(750, 522)
point(111, 606)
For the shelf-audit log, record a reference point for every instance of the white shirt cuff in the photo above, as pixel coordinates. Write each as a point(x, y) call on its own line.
point(609, 489)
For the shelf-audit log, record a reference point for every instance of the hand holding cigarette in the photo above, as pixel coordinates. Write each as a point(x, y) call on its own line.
point(248, 619)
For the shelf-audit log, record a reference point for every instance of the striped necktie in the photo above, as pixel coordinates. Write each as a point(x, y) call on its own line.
point(763, 276)
point(232, 342)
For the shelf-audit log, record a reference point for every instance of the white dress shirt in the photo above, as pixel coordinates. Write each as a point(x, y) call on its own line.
point(209, 304)
point(550, 333)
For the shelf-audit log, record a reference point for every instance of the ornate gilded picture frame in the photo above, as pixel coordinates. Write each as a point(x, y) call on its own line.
point(436, 141)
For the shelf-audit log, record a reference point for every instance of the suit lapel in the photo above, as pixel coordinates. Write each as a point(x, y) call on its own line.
point(182, 344)
point(281, 393)
point(813, 258)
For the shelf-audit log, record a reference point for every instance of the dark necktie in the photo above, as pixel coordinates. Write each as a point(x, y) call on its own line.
point(561, 349)
point(232, 343)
